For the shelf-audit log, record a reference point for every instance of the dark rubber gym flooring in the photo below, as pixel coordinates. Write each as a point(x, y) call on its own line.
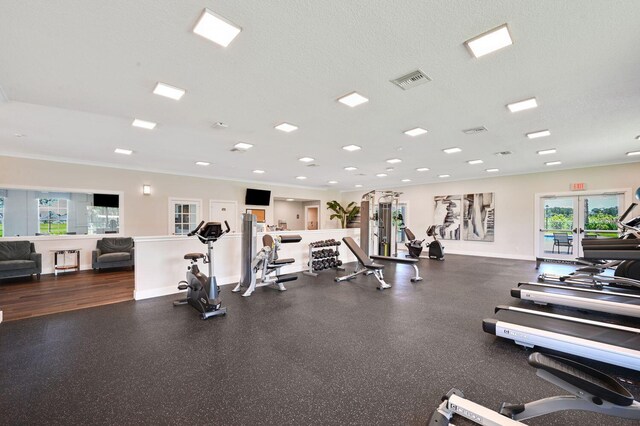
point(319, 353)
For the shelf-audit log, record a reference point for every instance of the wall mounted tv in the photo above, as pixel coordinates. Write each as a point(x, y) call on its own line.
point(106, 200)
point(257, 197)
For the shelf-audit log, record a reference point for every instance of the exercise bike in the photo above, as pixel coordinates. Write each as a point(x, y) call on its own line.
point(203, 291)
point(436, 249)
point(414, 245)
point(591, 390)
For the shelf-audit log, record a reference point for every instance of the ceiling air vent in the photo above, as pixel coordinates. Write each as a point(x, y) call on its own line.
point(312, 165)
point(411, 80)
point(474, 130)
point(502, 153)
point(219, 125)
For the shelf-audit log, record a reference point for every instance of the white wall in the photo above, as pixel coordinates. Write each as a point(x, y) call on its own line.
point(146, 215)
point(515, 231)
point(291, 212)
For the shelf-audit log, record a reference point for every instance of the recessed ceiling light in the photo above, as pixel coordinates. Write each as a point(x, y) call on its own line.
point(451, 150)
point(492, 170)
point(202, 163)
point(358, 186)
point(547, 151)
point(243, 146)
point(301, 177)
point(522, 105)
point(149, 125)
point(305, 159)
point(415, 132)
point(258, 171)
point(290, 199)
point(394, 161)
point(216, 29)
point(286, 127)
point(490, 41)
point(123, 151)
point(638, 137)
point(351, 148)
point(382, 175)
point(540, 134)
point(632, 153)
point(406, 180)
point(422, 169)
point(353, 99)
point(19, 135)
point(444, 176)
point(350, 168)
point(475, 161)
point(553, 163)
point(389, 169)
point(332, 182)
point(169, 91)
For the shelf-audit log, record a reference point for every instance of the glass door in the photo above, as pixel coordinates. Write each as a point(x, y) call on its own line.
point(558, 220)
point(566, 220)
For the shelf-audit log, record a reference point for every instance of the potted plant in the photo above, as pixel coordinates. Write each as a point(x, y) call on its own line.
point(343, 214)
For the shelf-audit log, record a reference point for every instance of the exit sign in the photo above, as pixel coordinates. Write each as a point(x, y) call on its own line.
point(578, 186)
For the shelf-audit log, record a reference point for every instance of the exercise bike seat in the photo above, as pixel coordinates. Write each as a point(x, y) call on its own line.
point(194, 256)
point(585, 378)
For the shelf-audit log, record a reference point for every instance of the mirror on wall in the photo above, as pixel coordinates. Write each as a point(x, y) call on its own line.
point(291, 214)
point(26, 212)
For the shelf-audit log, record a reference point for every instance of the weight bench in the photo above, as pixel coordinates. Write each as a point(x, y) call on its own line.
point(412, 261)
point(365, 265)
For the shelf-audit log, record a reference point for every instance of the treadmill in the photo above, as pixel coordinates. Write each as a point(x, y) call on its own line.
point(611, 300)
point(589, 336)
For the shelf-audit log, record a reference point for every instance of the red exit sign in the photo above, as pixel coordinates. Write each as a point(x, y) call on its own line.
point(578, 186)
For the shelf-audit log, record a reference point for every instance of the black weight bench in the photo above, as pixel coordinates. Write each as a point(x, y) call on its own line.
point(410, 260)
point(365, 265)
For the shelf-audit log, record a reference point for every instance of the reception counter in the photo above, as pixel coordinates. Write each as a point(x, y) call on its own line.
point(160, 263)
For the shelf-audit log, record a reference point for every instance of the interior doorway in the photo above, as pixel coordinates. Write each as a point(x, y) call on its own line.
point(311, 218)
point(564, 220)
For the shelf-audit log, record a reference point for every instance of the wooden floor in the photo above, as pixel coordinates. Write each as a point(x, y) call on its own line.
point(24, 298)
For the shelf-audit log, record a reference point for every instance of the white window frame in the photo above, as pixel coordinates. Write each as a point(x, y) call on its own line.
point(38, 230)
point(172, 210)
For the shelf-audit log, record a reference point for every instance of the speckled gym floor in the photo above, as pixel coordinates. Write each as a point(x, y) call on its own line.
point(319, 353)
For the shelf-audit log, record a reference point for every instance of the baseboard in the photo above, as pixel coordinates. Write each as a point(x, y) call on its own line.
point(486, 254)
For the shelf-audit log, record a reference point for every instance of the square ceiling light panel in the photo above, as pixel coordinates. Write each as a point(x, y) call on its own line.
point(149, 125)
point(286, 127)
point(353, 99)
point(495, 39)
point(215, 28)
point(523, 105)
point(168, 91)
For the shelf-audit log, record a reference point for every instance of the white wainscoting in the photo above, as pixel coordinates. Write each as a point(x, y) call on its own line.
point(160, 263)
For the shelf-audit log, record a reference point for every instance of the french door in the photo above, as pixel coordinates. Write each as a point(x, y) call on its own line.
point(564, 221)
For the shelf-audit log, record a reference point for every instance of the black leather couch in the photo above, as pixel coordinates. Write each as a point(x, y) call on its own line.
point(19, 259)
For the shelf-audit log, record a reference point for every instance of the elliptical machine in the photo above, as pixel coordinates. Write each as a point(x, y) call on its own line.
point(202, 291)
point(436, 249)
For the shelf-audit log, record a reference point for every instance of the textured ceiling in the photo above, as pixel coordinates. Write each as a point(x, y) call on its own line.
point(77, 73)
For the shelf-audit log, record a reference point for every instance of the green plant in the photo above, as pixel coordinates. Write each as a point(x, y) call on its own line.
point(343, 214)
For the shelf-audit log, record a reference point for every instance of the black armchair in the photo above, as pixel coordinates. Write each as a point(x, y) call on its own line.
point(113, 253)
point(19, 259)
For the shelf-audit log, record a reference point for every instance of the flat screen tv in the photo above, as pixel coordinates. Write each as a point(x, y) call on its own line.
point(106, 200)
point(257, 197)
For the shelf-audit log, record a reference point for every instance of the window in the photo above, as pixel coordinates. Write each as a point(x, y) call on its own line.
point(1, 216)
point(400, 219)
point(184, 215)
point(52, 216)
point(103, 220)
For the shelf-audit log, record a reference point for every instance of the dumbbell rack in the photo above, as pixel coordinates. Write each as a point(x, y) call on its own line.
point(312, 272)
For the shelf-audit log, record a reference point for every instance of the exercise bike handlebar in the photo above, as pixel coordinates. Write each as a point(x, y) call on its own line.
point(631, 224)
point(626, 213)
point(192, 233)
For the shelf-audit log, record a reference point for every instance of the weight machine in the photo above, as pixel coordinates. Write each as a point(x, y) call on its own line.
point(378, 229)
